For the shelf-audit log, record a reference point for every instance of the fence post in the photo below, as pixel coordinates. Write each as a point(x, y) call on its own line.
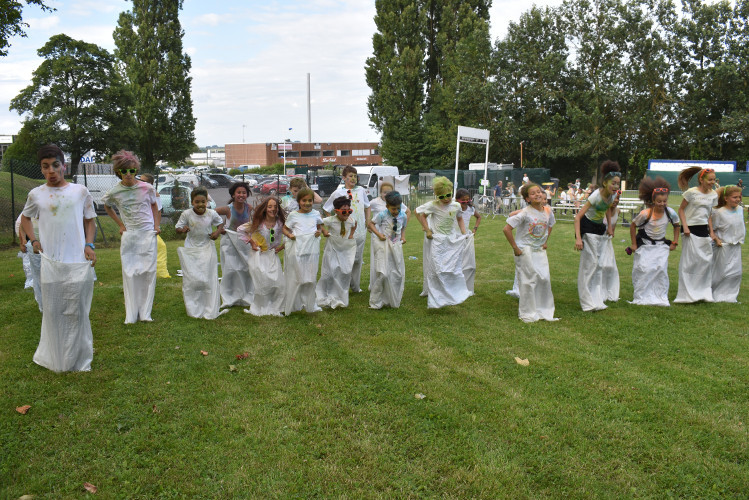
point(12, 200)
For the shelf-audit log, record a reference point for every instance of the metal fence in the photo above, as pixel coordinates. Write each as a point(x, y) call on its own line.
point(17, 178)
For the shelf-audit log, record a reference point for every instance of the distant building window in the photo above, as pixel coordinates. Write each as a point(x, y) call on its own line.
point(375, 151)
point(328, 152)
point(289, 154)
point(344, 152)
point(309, 154)
point(361, 152)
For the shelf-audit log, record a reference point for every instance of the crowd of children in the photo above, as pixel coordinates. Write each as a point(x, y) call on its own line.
point(711, 222)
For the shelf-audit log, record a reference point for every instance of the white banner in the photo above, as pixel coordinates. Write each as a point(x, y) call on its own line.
point(473, 135)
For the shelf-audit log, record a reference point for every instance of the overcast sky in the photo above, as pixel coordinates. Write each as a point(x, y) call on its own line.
point(250, 61)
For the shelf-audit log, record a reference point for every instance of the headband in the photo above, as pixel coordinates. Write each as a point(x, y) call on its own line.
point(611, 175)
point(705, 171)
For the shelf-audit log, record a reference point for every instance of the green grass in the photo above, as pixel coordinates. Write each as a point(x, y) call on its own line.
point(627, 402)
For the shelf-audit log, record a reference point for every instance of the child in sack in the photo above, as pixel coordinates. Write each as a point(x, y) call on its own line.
point(338, 257)
point(388, 265)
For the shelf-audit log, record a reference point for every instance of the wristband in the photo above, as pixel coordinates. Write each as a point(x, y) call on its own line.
point(91, 246)
point(34, 241)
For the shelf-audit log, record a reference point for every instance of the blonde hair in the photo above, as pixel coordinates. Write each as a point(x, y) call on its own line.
point(383, 184)
point(442, 184)
point(726, 191)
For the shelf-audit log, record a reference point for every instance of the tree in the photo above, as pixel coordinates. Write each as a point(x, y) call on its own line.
point(11, 20)
point(76, 99)
point(148, 43)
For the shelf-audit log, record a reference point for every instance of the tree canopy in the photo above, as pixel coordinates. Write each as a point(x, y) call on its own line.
point(11, 21)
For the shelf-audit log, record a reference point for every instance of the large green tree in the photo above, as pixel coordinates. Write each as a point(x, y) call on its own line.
point(11, 20)
point(148, 43)
point(76, 99)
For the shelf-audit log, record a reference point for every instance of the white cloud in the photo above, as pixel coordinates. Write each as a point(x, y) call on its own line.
point(212, 19)
point(43, 23)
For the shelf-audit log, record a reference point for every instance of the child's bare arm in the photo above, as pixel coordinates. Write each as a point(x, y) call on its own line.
point(633, 236)
point(215, 234)
point(478, 221)
point(156, 218)
point(353, 230)
point(113, 215)
point(511, 239)
point(461, 225)
point(546, 243)
point(321, 230)
point(287, 232)
point(683, 217)
point(675, 241)
point(423, 221)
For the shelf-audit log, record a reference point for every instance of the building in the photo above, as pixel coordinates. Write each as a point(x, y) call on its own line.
point(5, 142)
point(210, 157)
point(303, 154)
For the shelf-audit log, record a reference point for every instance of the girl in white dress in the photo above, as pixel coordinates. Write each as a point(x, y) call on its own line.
point(729, 232)
point(649, 244)
point(592, 237)
point(695, 266)
point(533, 225)
point(463, 197)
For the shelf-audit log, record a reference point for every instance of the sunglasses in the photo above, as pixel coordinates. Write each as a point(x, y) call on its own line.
point(395, 224)
point(350, 197)
point(660, 190)
point(443, 196)
point(272, 235)
point(706, 171)
point(344, 211)
point(128, 170)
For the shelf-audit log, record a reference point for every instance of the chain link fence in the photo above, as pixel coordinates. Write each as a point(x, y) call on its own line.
point(17, 178)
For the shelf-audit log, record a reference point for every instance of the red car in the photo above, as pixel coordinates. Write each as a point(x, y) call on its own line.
point(271, 187)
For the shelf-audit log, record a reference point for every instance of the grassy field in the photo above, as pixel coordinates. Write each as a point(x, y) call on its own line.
point(629, 402)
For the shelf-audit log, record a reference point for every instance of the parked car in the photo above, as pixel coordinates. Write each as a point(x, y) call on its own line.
point(245, 178)
point(271, 187)
point(176, 198)
point(223, 180)
point(198, 180)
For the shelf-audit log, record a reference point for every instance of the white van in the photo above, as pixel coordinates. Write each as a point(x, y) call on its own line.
point(370, 177)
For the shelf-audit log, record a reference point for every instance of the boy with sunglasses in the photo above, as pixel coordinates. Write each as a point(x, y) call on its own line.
point(361, 214)
point(387, 264)
point(338, 257)
point(66, 238)
point(139, 223)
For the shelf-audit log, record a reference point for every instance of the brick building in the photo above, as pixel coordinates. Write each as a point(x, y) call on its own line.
point(303, 154)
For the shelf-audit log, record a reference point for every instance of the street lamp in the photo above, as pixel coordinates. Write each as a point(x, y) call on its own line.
point(243, 127)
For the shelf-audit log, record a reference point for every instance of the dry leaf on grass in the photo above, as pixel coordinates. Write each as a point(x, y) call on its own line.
point(232, 368)
point(204, 353)
point(419, 395)
point(26, 497)
point(244, 355)
point(23, 409)
point(90, 487)
point(155, 410)
point(523, 362)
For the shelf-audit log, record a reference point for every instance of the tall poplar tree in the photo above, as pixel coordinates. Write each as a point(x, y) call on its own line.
point(148, 43)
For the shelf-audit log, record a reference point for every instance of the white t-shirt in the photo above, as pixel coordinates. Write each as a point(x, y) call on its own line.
point(467, 214)
point(729, 225)
point(333, 223)
point(441, 218)
point(386, 224)
point(655, 228)
point(359, 201)
point(299, 223)
point(201, 226)
point(133, 203)
point(532, 226)
point(700, 206)
point(598, 206)
point(289, 204)
point(61, 211)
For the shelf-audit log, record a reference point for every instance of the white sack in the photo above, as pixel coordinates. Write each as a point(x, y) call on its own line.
point(335, 272)
point(389, 269)
point(609, 271)
point(268, 282)
point(726, 272)
point(302, 256)
point(66, 343)
point(534, 286)
point(236, 283)
point(138, 254)
point(590, 283)
point(355, 281)
point(515, 292)
point(200, 281)
point(35, 261)
point(443, 271)
point(650, 275)
point(469, 262)
point(24, 256)
point(695, 270)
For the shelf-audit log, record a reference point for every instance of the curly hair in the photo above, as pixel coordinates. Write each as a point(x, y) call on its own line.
point(648, 184)
point(442, 185)
point(261, 212)
point(198, 191)
point(726, 191)
point(233, 188)
point(606, 168)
